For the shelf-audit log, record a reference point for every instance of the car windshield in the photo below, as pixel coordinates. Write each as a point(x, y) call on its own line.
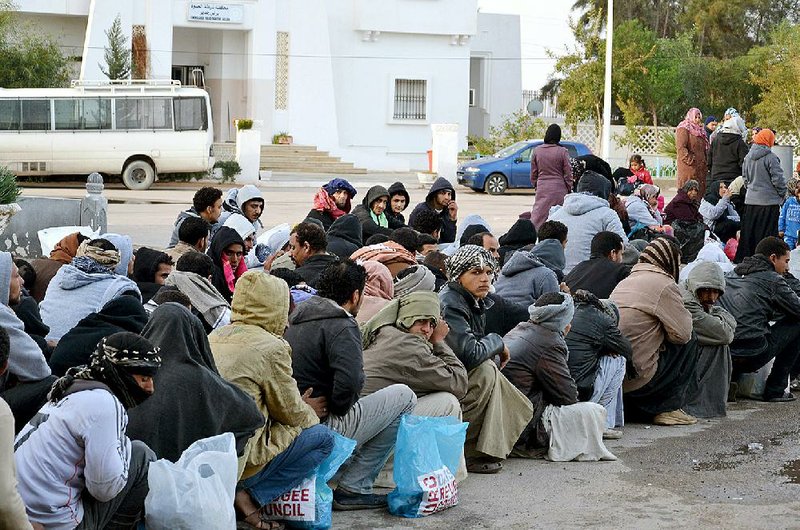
point(510, 150)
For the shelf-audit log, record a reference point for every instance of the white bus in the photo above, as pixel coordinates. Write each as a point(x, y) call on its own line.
point(136, 129)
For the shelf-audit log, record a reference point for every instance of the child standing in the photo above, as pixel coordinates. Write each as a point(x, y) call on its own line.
point(639, 169)
point(789, 220)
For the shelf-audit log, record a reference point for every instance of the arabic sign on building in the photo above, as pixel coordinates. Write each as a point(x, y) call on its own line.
point(216, 12)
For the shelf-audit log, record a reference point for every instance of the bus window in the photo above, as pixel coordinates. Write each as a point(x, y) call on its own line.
point(35, 115)
point(9, 114)
point(144, 113)
point(190, 114)
point(82, 114)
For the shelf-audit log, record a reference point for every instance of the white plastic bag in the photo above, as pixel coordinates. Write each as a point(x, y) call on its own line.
point(48, 237)
point(752, 385)
point(197, 491)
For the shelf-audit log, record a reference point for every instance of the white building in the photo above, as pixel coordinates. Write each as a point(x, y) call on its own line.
point(363, 79)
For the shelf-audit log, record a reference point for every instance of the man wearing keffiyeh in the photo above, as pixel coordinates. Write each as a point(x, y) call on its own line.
point(76, 448)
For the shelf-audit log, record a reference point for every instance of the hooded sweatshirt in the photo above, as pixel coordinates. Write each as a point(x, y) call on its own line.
point(191, 212)
point(26, 361)
point(144, 271)
point(524, 279)
point(763, 176)
point(73, 294)
point(584, 215)
point(234, 203)
point(252, 354)
point(726, 156)
point(397, 220)
point(327, 353)
point(521, 233)
point(448, 234)
point(344, 236)
point(224, 238)
point(370, 223)
point(551, 253)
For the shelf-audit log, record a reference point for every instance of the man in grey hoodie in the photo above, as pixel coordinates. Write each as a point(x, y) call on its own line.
point(586, 213)
point(28, 379)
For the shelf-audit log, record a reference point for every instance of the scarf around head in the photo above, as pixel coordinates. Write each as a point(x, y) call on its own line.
point(466, 258)
point(379, 280)
point(112, 363)
point(764, 137)
point(553, 134)
point(554, 317)
point(402, 313)
point(107, 258)
point(419, 279)
point(323, 202)
point(646, 192)
point(694, 129)
point(712, 193)
point(664, 254)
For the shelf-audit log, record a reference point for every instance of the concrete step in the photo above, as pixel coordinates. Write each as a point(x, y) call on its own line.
point(317, 170)
point(294, 159)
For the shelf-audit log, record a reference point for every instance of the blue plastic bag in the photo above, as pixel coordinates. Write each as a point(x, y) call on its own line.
point(290, 507)
point(426, 458)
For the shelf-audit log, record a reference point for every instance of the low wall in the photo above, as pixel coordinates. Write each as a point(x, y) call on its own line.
point(21, 237)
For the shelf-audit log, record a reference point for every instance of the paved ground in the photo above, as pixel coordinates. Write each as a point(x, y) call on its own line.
point(706, 476)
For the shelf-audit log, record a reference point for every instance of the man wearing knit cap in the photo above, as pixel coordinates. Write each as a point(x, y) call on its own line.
point(654, 319)
point(565, 428)
point(332, 201)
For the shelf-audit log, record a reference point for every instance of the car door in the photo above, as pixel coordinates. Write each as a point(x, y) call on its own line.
point(521, 169)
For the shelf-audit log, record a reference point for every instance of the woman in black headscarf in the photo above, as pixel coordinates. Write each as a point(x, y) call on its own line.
point(192, 401)
point(227, 253)
point(551, 175)
point(75, 348)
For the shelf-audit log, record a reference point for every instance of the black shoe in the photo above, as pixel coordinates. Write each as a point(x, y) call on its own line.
point(733, 391)
point(787, 396)
point(345, 500)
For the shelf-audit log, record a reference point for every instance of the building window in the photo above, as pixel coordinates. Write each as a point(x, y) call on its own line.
point(410, 99)
point(282, 71)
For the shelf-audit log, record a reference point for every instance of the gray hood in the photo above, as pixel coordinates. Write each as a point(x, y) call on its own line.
point(5, 276)
point(554, 317)
point(706, 275)
point(758, 151)
point(74, 278)
point(551, 253)
point(520, 262)
point(580, 203)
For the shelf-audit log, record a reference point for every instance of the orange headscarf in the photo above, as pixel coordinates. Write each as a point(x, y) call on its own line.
point(764, 137)
point(65, 249)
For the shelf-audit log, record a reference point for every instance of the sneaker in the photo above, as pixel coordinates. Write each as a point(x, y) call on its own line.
point(787, 396)
point(612, 434)
point(675, 417)
point(345, 500)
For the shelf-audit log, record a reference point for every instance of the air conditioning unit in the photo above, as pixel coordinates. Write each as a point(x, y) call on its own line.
point(471, 97)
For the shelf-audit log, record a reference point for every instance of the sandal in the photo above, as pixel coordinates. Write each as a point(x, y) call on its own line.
point(484, 466)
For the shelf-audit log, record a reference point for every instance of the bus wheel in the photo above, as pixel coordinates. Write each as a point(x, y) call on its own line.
point(138, 175)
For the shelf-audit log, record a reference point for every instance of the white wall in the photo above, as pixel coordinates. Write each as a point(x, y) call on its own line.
point(498, 41)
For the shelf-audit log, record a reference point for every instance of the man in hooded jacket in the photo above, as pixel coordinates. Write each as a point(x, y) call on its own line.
point(441, 199)
point(251, 353)
point(332, 201)
point(399, 201)
point(372, 212)
point(344, 236)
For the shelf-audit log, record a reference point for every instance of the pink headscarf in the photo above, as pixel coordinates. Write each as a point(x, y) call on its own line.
point(694, 129)
point(379, 280)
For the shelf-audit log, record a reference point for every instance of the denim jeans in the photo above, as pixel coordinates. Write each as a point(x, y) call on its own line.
point(372, 422)
point(289, 468)
point(608, 389)
point(124, 510)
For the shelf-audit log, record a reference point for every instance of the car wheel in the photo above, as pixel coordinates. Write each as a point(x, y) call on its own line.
point(496, 184)
point(138, 175)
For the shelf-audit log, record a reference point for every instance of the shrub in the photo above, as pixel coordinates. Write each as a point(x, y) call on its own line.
point(244, 125)
point(9, 191)
point(230, 168)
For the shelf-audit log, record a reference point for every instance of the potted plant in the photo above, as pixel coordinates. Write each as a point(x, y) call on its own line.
point(229, 169)
point(9, 191)
point(282, 138)
point(244, 124)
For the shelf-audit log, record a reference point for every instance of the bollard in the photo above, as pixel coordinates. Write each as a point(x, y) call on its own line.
point(94, 206)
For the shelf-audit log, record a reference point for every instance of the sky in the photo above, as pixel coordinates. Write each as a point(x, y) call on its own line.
point(544, 25)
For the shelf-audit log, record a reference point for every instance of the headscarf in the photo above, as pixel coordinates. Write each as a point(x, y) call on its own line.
point(107, 258)
point(712, 195)
point(694, 129)
point(379, 280)
point(124, 244)
point(664, 254)
point(66, 249)
point(223, 275)
point(690, 185)
point(764, 137)
point(192, 401)
point(323, 202)
point(740, 126)
point(402, 313)
point(554, 317)
point(420, 278)
point(466, 258)
point(112, 363)
point(205, 298)
point(646, 192)
point(709, 119)
point(553, 134)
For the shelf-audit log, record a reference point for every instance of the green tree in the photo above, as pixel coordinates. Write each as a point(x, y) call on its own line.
point(516, 127)
point(27, 58)
point(117, 53)
point(776, 72)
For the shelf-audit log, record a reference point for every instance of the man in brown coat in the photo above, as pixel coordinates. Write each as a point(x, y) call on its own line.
point(654, 319)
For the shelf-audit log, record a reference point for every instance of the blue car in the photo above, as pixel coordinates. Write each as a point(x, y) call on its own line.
point(508, 168)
